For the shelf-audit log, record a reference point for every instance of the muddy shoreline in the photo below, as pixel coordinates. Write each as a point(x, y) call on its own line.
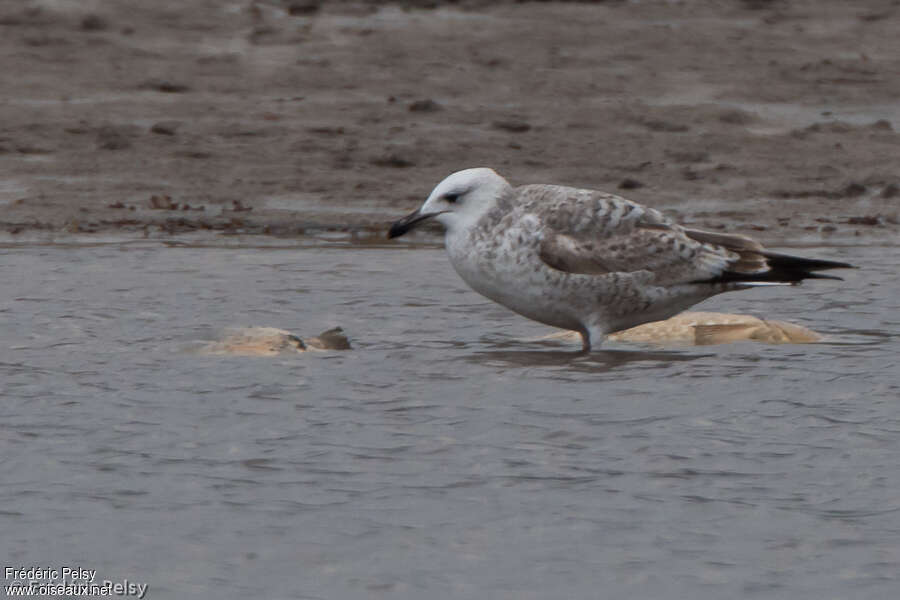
point(778, 119)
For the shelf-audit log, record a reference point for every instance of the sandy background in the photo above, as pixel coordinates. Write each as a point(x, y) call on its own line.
point(777, 118)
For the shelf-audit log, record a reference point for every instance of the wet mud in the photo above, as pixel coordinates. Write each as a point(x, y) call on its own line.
point(159, 119)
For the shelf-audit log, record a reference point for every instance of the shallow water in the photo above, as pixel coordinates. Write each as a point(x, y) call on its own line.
point(443, 456)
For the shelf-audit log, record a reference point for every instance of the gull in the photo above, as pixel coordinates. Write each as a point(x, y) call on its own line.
point(590, 261)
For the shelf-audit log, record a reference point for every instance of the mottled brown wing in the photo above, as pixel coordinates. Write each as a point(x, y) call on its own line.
point(594, 233)
point(585, 213)
point(666, 252)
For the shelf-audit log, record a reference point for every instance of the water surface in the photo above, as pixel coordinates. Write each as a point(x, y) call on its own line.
point(444, 456)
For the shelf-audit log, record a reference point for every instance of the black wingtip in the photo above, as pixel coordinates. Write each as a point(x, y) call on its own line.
point(820, 276)
point(785, 268)
point(787, 261)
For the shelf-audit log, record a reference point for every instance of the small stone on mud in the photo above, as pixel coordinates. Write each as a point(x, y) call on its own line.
point(394, 160)
point(890, 190)
point(162, 85)
point(853, 190)
point(688, 156)
point(303, 7)
point(113, 138)
point(630, 184)
point(162, 202)
point(426, 105)
point(870, 220)
point(758, 4)
point(827, 127)
point(198, 154)
point(165, 127)
point(513, 125)
point(94, 23)
point(325, 130)
point(664, 126)
point(28, 149)
point(737, 117)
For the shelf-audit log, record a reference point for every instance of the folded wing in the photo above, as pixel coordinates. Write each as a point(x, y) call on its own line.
point(593, 233)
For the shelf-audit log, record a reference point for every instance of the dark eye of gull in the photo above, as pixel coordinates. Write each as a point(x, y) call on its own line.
point(452, 197)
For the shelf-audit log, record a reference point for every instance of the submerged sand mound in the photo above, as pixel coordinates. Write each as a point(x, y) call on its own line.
point(686, 329)
point(708, 328)
point(270, 341)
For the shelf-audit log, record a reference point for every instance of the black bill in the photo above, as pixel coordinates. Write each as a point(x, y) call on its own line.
point(408, 222)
